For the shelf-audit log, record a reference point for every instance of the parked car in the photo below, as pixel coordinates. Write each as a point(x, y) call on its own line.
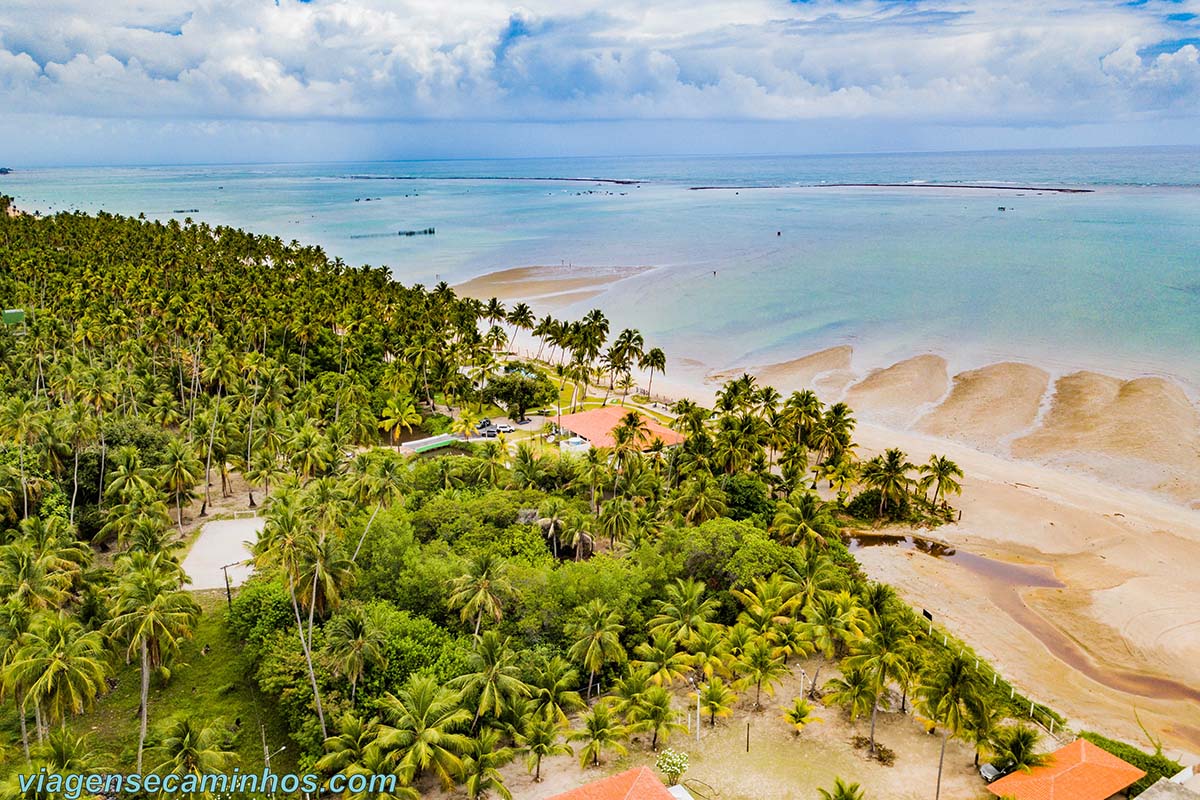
point(490, 432)
point(484, 423)
point(991, 772)
point(524, 421)
point(504, 427)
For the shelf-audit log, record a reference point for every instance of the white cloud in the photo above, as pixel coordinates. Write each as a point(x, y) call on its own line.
point(994, 62)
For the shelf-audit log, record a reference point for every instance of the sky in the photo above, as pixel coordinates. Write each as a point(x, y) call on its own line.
point(203, 81)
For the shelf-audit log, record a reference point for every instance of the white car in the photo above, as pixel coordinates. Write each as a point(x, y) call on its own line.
point(504, 427)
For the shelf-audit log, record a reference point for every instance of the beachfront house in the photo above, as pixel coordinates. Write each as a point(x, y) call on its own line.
point(1079, 771)
point(595, 428)
point(635, 784)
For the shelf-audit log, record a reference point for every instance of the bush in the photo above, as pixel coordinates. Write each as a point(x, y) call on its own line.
point(865, 505)
point(1156, 765)
point(262, 606)
point(746, 497)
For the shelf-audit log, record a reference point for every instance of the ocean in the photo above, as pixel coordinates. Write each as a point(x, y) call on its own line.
point(1105, 279)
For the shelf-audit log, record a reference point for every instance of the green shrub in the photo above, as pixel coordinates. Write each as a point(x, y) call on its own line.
point(1156, 765)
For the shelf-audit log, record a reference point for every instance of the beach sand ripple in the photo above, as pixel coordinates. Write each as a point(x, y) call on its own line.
point(1143, 433)
point(895, 394)
point(988, 404)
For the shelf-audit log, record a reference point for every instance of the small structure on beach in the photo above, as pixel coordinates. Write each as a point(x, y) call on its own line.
point(1079, 771)
point(636, 784)
point(595, 428)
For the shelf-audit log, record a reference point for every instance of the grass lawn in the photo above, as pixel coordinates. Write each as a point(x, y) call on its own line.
point(214, 685)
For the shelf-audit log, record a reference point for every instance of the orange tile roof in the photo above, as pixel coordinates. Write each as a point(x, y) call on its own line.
point(634, 784)
point(597, 426)
point(1079, 771)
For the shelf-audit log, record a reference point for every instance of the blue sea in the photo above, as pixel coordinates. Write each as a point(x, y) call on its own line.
point(1105, 279)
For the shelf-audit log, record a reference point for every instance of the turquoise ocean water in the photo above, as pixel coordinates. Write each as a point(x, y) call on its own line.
point(1106, 279)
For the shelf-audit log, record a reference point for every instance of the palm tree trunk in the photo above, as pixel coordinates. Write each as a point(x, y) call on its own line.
point(941, 760)
point(37, 721)
point(537, 770)
point(24, 489)
point(591, 680)
point(363, 538)
point(478, 622)
point(24, 731)
point(212, 434)
point(75, 486)
point(874, 713)
point(312, 676)
point(145, 710)
point(179, 512)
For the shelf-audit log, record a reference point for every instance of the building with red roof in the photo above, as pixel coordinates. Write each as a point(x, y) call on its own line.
point(635, 784)
point(597, 426)
point(1079, 771)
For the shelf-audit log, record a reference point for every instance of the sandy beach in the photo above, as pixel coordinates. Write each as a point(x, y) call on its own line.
point(546, 288)
point(1091, 478)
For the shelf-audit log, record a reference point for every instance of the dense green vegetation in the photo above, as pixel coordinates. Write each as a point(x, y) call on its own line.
point(428, 617)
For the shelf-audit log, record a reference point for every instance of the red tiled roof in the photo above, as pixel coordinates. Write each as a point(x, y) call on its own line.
point(597, 426)
point(1079, 771)
point(635, 784)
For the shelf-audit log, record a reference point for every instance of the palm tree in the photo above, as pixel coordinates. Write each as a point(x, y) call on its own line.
point(661, 658)
point(355, 640)
point(400, 412)
point(421, 720)
point(601, 731)
point(842, 791)
point(540, 738)
point(943, 474)
point(178, 475)
point(683, 611)
point(348, 748)
point(481, 590)
point(800, 715)
point(804, 520)
point(700, 499)
point(151, 615)
point(656, 715)
point(654, 360)
point(884, 655)
point(597, 640)
point(61, 666)
point(1016, 747)
point(760, 667)
point(482, 766)
point(553, 687)
point(552, 519)
point(949, 694)
point(889, 475)
point(193, 746)
point(717, 699)
point(22, 423)
point(617, 517)
point(854, 691)
point(493, 677)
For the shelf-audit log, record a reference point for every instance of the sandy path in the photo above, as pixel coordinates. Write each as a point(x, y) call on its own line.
point(219, 543)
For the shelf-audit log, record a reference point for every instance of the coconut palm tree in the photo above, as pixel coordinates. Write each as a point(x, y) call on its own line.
point(760, 668)
point(654, 360)
point(61, 666)
point(601, 731)
point(190, 745)
point(1017, 747)
point(883, 655)
point(683, 611)
point(655, 716)
point(541, 738)
point(151, 615)
point(889, 475)
point(716, 699)
point(854, 691)
point(596, 640)
point(617, 517)
point(22, 423)
point(481, 590)
point(553, 690)
point(482, 763)
point(842, 791)
point(662, 659)
point(493, 679)
point(400, 412)
point(949, 694)
point(800, 715)
point(804, 520)
point(178, 476)
point(420, 729)
point(700, 499)
point(355, 640)
point(943, 475)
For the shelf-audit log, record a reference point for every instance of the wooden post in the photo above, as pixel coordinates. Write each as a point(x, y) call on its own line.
point(747, 737)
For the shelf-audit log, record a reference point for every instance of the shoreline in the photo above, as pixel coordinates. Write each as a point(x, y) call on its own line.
point(1120, 549)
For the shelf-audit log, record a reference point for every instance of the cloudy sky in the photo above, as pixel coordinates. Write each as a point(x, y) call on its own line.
point(162, 81)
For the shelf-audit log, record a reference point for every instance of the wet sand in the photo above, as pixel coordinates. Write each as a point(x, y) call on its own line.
point(896, 394)
point(988, 405)
point(546, 288)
